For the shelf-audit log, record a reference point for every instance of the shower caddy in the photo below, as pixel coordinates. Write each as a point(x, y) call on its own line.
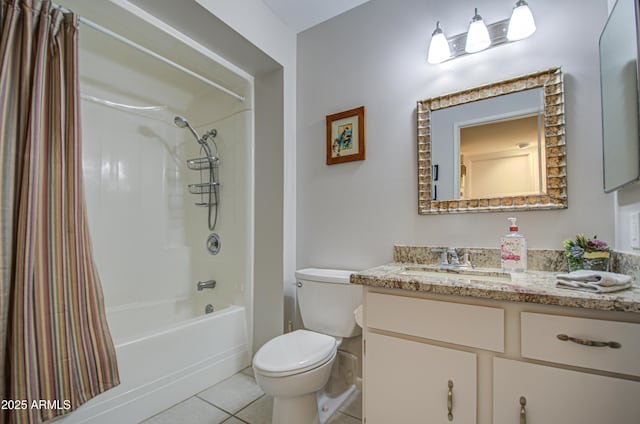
point(209, 186)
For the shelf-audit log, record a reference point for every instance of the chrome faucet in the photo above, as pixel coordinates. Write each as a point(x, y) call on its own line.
point(444, 258)
point(210, 284)
point(452, 256)
point(449, 258)
point(466, 259)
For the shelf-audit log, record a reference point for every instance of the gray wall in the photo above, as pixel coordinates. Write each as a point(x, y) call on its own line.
point(349, 215)
point(268, 299)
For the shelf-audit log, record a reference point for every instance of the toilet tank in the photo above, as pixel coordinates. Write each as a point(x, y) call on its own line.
point(327, 301)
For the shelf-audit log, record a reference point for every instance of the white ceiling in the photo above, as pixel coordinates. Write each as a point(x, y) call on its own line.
point(300, 15)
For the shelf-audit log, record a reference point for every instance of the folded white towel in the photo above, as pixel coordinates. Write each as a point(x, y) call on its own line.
point(594, 281)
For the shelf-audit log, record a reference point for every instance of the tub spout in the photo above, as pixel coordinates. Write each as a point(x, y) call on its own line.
point(210, 284)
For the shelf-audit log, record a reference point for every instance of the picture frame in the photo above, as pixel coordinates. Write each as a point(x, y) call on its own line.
point(346, 136)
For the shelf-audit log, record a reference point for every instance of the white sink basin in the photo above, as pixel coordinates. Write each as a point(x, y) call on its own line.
point(481, 274)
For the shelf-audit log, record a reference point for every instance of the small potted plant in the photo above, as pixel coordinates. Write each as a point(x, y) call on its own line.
point(585, 253)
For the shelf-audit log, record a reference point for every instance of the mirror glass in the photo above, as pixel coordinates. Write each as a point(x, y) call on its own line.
point(619, 84)
point(495, 147)
point(491, 151)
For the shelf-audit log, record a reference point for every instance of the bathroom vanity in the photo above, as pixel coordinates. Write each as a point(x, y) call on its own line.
point(475, 348)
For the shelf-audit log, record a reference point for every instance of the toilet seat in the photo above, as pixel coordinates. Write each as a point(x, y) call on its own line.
point(294, 353)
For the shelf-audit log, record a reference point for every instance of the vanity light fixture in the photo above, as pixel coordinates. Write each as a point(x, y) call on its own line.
point(477, 36)
point(480, 36)
point(439, 50)
point(521, 24)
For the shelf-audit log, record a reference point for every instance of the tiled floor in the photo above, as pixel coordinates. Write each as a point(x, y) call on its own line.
point(239, 400)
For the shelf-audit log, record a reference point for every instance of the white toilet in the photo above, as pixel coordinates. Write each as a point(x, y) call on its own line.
point(294, 366)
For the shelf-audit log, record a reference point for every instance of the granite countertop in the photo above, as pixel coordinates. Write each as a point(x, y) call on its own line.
point(532, 287)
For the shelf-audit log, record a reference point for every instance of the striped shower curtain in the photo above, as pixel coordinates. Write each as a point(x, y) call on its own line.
point(55, 348)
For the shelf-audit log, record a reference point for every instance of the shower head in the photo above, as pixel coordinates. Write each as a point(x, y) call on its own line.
point(180, 122)
point(183, 123)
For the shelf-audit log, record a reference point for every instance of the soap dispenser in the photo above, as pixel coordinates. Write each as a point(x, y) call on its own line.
point(513, 250)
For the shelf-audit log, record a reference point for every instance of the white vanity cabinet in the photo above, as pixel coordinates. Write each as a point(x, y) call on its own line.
point(496, 353)
point(538, 394)
point(408, 382)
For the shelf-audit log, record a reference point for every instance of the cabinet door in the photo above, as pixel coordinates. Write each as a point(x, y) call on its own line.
point(408, 382)
point(556, 395)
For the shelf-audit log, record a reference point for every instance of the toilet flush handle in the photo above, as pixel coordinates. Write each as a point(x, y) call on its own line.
point(299, 284)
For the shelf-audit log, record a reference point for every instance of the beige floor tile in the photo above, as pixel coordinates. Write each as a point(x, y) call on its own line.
point(234, 420)
point(232, 394)
point(259, 412)
point(340, 418)
point(248, 371)
point(191, 411)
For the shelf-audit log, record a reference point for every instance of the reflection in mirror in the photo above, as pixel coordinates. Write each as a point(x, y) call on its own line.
point(490, 125)
point(502, 158)
point(495, 147)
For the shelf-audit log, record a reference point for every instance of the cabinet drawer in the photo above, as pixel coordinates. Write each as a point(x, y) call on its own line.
point(468, 325)
point(540, 341)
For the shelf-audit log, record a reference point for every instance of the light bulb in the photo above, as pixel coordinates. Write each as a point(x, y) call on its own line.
point(521, 24)
point(439, 50)
point(478, 35)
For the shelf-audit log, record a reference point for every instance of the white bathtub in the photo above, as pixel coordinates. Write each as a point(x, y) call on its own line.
point(159, 368)
point(131, 323)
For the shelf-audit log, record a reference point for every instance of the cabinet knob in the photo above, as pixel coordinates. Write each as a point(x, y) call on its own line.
point(523, 410)
point(450, 401)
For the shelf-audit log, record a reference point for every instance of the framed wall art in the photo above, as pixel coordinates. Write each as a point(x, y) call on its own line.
point(345, 136)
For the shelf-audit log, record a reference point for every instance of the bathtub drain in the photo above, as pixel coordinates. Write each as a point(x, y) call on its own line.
point(208, 309)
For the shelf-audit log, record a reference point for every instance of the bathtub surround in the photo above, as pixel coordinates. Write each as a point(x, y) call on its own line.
point(263, 47)
point(56, 343)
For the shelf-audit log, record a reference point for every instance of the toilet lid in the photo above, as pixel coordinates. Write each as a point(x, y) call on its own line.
point(294, 352)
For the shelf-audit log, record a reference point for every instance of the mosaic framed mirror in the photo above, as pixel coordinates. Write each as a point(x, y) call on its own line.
point(495, 147)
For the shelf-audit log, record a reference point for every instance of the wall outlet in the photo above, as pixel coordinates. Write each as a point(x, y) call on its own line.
point(634, 230)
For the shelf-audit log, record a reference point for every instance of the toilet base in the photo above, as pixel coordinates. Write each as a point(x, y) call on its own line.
point(328, 405)
point(313, 408)
point(296, 410)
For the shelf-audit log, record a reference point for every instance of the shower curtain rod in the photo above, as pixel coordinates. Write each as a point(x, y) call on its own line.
point(151, 53)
